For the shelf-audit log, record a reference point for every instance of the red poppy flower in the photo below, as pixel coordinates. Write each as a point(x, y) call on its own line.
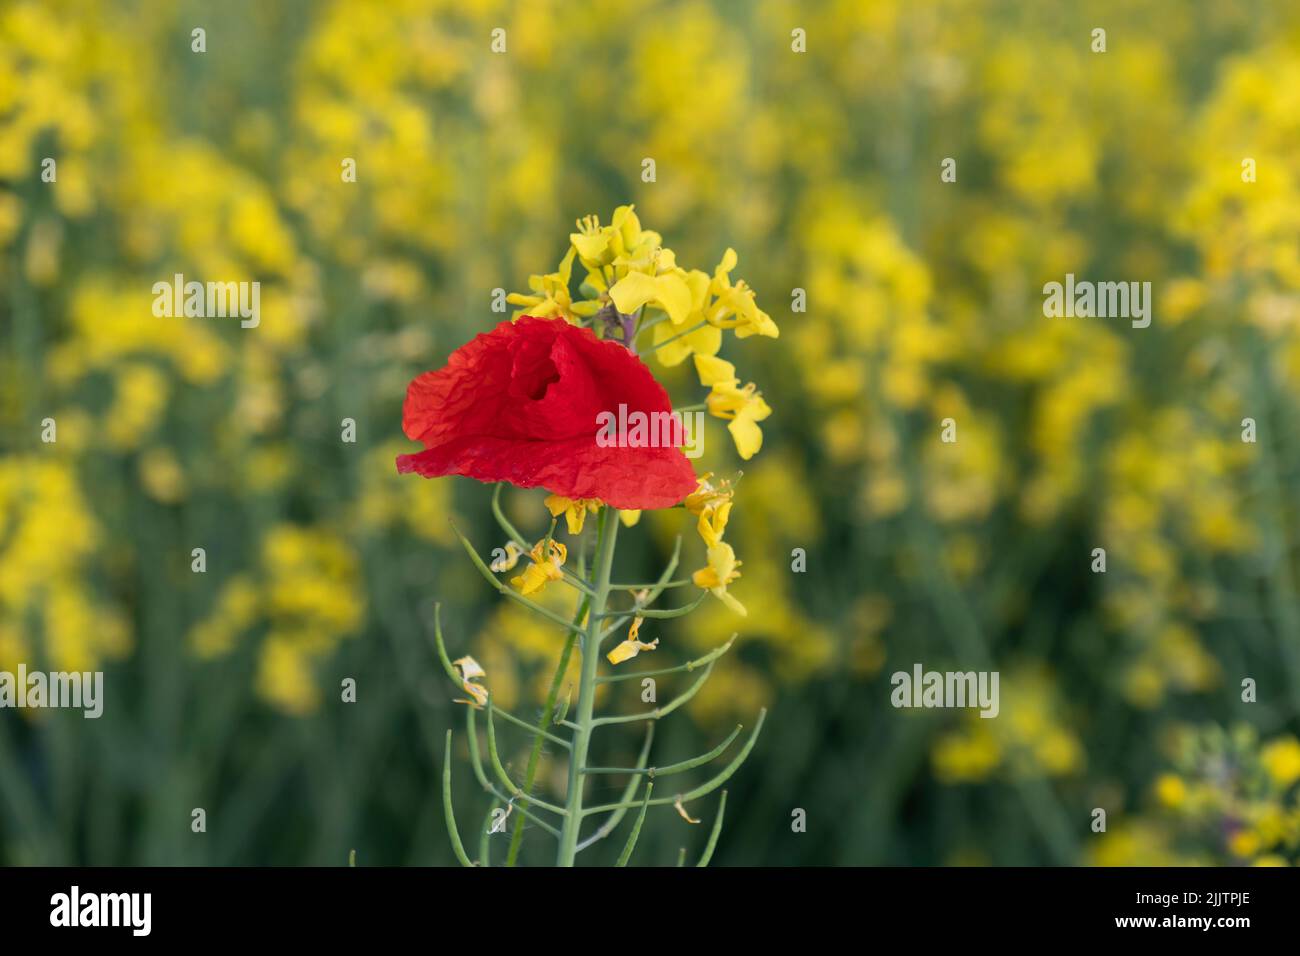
point(522, 404)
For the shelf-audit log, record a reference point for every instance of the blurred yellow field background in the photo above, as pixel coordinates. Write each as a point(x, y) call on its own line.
point(1122, 690)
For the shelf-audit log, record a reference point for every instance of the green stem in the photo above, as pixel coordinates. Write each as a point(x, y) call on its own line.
point(548, 712)
point(602, 567)
point(633, 782)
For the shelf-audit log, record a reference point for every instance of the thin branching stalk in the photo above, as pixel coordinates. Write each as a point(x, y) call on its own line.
point(636, 828)
point(456, 846)
point(476, 761)
point(640, 611)
point(704, 788)
point(593, 621)
point(666, 709)
point(672, 768)
point(450, 668)
point(485, 834)
point(499, 769)
point(616, 817)
point(548, 714)
point(707, 855)
point(708, 658)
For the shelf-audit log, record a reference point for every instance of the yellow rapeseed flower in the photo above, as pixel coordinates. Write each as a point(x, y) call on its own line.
point(574, 510)
point(551, 297)
point(708, 495)
point(542, 570)
point(718, 573)
point(741, 408)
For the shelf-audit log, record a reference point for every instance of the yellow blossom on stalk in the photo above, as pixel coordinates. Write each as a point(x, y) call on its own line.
point(741, 408)
point(668, 290)
point(574, 510)
point(734, 307)
point(707, 495)
point(719, 572)
point(623, 242)
point(470, 669)
point(673, 340)
point(628, 266)
point(632, 646)
point(713, 505)
point(551, 296)
point(542, 570)
point(713, 522)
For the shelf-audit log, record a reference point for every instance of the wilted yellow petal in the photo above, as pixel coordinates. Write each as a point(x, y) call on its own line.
point(469, 669)
point(729, 599)
point(720, 572)
point(706, 495)
point(537, 574)
point(631, 647)
point(507, 561)
point(682, 810)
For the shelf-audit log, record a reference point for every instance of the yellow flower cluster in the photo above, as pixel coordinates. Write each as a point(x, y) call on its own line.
point(1230, 798)
point(1030, 738)
point(629, 270)
point(51, 548)
point(306, 594)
